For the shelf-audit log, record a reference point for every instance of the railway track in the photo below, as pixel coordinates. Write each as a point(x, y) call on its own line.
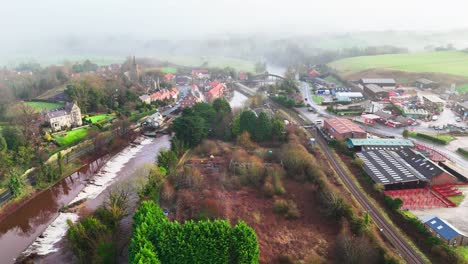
point(405, 250)
point(402, 247)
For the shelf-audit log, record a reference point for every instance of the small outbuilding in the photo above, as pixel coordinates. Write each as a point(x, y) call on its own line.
point(445, 231)
point(425, 84)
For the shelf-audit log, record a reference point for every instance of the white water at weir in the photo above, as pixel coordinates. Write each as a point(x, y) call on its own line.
point(45, 243)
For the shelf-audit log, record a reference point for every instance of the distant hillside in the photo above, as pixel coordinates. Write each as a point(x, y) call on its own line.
point(445, 62)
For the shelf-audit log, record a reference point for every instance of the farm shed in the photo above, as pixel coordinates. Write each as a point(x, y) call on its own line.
point(341, 128)
point(445, 231)
point(425, 84)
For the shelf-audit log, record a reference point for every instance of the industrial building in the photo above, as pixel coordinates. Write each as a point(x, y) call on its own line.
point(376, 92)
point(349, 96)
point(462, 108)
point(425, 84)
point(340, 128)
point(358, 143)
point(432, 101)
point(445, 231)
point(415, 113)
point(398, 166)
point(382, 82)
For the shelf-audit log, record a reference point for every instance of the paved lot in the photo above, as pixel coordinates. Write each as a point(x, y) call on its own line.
point(457, 216)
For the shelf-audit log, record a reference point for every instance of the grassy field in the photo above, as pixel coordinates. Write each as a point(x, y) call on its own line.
point(463, 251)
point(462, 88)
point(334, 80)
point(97, 118)
point(448, 62)
point(446, 138)
point(43, 106)
point(210, 61)
point(318, 99)
point(69, 137)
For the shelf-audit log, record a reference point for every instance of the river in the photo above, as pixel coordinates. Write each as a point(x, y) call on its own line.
point(38, 226)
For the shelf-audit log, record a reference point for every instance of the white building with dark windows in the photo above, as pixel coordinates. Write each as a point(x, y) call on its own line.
point(69, 116)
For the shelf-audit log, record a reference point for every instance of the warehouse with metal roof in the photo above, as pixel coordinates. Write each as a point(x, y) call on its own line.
point(445, 231)
point(395, 166)
point(357, 143)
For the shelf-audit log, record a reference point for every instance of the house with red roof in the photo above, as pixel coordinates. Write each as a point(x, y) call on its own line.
point(165, 95)
point(200, 73)
point(169, 77)
point(191, 99)
point(216, 91)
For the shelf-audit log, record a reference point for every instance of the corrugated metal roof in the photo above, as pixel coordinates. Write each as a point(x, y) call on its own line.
point(356, 142)
point(378, 80)
point(442, 228)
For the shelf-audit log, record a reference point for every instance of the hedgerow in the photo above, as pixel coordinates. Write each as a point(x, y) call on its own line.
point(158, 240)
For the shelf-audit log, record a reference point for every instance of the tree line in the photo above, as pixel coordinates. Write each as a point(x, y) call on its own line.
point(157, 240)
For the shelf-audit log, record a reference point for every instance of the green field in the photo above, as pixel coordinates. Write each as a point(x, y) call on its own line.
point(463, 251)
point(448, 62)
point(97, 118)
point(446, 138)
point(209, 61)
point(44, 106)
point(70, 137)
point(462, 88)
point(334, 80)
point(169, 70)
point(318, 99)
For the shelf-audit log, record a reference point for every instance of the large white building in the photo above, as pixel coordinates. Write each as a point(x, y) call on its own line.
point(69, 116)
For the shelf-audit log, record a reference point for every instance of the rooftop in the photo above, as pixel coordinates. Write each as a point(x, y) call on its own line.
point(444, 229)
point(386, 166)
point(433, 98)
point(424, 81)
point(409, 111)
point(349, 94)
point(378, 80)
point(463, 104)
point(375, 88)
point(342, 125)
point(355, 142)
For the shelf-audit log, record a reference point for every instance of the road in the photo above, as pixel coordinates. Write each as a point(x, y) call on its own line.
point(381, 129)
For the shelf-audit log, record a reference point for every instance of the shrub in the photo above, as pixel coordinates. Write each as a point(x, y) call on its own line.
point(161, 241)
point(287, 208)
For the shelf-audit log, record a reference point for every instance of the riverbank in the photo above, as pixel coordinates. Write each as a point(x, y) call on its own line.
point(49, 244)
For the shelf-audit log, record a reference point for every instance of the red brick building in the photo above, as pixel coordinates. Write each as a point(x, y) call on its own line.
point(341, 128)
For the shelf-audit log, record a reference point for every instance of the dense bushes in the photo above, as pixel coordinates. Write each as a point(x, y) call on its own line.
point(431, 138)
point(282, 100)
point(157, 240)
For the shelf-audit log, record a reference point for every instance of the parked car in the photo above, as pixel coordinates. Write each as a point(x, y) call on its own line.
point(458, 119)
point(435, 117)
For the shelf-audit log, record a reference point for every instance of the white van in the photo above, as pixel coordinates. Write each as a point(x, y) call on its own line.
point(435, 117)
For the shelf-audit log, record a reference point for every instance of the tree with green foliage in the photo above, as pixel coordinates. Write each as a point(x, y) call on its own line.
point(156, 179)
point(235, 128)
point(263, 131)
point(221, 106)
point(405, 133)
point(192, 242)
point(86, 238)
point(248, 122)
point(3, 144)
point(13, 137)
point(15, 183)
point(190, 129)
point(178, 146)
point(277, 129)
point(167, 159)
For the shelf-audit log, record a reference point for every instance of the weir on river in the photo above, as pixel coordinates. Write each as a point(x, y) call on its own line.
point(38, 225)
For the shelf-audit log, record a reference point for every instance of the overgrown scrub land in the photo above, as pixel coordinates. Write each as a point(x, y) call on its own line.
point(447, 62)
point(243, 168)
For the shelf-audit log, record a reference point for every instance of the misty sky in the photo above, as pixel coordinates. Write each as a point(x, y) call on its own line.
point(32, 19)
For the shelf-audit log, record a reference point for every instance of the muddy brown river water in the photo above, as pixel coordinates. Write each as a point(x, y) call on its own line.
point(38, 226)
